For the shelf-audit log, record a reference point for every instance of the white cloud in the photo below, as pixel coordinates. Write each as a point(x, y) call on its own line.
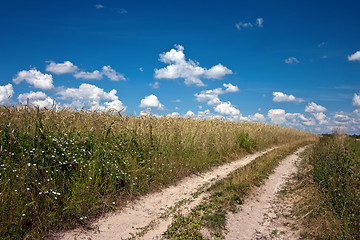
point(189, 70)
point(93, 96)
point(282, 97)
point(151, 101)
point(112, 74)
point(39, 99)
point(145, 113)
point(291, 60)
point(35, 78)
point(6, 92)
point(257, 117)
point(189, 114)
point(141, 69)
point(354, 57)
point(212, 96)
point(226, 108)
point(106, 70)
point(61, 68)
point(321, 117)
point(99, 6)
point(260, 22)
point(217, 72)
point(229, 88)
point(241, 25)
point(176, 100)
point(313, 107)
point(155, 85)
point(204, 114)
point(173, 115)
point(356, 100)
point(277, 116)
point(31, 96)
point(89, 75)
point(116, 104)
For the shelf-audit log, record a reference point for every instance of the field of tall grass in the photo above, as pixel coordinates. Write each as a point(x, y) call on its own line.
point(61, 168)
point(336, 171)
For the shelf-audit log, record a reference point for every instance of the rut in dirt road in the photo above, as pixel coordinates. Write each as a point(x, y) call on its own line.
point(149, 216)
point(262, 216)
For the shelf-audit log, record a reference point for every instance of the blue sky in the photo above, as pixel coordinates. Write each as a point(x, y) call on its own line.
point(291, 63)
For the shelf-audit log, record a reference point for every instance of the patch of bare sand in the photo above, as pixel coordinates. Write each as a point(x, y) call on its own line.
point(264, 215)
point(150, 216)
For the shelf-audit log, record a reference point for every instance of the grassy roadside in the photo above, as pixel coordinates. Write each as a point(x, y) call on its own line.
point(226, 194)
point(328, 189)
point(59, 168)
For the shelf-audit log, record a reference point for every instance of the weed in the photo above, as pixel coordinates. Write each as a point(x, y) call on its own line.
point(60, 168)
point(336, 170)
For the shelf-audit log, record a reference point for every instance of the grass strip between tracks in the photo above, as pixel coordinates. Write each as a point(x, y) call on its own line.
point(225, 195)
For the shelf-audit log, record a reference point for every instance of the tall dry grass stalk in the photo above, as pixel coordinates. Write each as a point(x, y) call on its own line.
point(60, 168)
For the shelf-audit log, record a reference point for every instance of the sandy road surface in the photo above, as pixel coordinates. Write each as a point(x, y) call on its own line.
point(263, 214)
point(150, 216)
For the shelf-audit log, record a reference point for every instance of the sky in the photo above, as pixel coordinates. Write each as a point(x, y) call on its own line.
point(293, 63)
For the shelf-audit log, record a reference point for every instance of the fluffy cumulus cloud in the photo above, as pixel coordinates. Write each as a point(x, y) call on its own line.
point(35, 78)
point(112, 74)
point(282, 97)
point(291, 60)
point(320, 117)
point(189, 114)
point(61, 68)
point(277, 116)
point(179, 67)
point(6, 92)
point(89, 75)
point(356, 100)
point(257, 117)
point(354, 57)
point(39, 99)
point(295, 120)
point(212, 96)
point(151, 102)
point(69, 67)
point(313, 108)
point(226, 108)
point(93, 97)
point(173, 115)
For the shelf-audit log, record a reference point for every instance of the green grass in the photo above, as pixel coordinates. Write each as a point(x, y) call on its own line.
point(226, 194)
point(60, 169)
point(336, 171)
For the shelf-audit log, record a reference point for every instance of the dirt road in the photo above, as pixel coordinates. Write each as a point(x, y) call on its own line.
point(264, 215)
point(150, 216)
